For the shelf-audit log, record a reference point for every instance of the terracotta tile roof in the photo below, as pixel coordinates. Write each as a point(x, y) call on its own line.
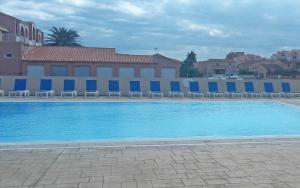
point(83, 54)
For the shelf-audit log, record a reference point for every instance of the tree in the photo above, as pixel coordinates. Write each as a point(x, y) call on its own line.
point(187, 68)
point(62, 37)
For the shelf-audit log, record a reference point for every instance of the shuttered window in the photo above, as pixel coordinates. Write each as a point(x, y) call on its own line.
point(126, 72)
point(168, 73)
point(35, 70)
point(147, 73)
point(106, 72)
point(59, 70)
point(82, 71)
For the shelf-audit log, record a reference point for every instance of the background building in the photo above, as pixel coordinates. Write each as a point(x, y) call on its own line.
point(22, 53)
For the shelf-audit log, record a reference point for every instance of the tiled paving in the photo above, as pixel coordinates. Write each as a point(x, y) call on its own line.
point(190, 164)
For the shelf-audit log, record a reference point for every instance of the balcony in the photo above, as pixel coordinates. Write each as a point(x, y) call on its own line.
point(10, 37)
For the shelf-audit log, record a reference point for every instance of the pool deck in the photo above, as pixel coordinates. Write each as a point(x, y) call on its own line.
point(256, 162)
point(244, 162)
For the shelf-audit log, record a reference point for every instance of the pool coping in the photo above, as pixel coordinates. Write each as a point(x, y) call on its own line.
point(149, 143)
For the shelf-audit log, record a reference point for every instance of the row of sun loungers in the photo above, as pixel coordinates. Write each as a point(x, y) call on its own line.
point(155, 90)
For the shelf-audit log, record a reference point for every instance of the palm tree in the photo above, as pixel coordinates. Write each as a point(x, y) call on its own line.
point(62, 37)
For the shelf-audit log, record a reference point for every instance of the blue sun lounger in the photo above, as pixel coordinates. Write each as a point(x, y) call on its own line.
point(113, 88)
point(175, 89)
point(135, 89)
point(91, 88)
point(155, 89)
point(194, 90)
point(213, 90)
point(269, 90)
point(19, 88)
point(287, 91)
point(231, 90)
point(250, 92)
point(69, 89)
point(45, 88)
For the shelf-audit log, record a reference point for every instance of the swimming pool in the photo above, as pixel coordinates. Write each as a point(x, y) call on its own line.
point(74, 121)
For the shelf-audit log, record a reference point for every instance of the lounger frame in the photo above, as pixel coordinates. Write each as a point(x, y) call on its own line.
point(233, 95)
point(156, 94)
point(174, 94)
point(19, 93)
point(214, 94)
point(252, 94)
point(91, 93)
point(68, 93)
point(271, 95)
point(134, 94)
point(194, 94)
point(2, 93)
point(46, 93)
point(114, 94)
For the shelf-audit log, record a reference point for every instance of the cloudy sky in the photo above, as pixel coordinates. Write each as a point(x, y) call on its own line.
point(211, 28)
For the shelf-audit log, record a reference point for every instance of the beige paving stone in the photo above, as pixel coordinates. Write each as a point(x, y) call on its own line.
point(216, 181)
point(62, 186)
point(194, 182)
point(129, 184)
point(62, 180)
point(219, 163)
point(144, 184)
point(91, 185)
point(112, 185)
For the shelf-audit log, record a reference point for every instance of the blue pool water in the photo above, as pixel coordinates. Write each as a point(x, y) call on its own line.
point(92, 121)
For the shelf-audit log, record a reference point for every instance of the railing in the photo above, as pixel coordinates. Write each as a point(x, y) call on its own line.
point(10, 37)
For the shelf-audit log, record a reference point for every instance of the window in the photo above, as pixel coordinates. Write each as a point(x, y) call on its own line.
point(8, 55)
point(26, 32)
point(168, 73)
point(147, 73)
point(35, 70)
point(126, 72)
point(106, 72)
point(82, 71)
point(59, 70)
point(33, 34)
point(22, 31)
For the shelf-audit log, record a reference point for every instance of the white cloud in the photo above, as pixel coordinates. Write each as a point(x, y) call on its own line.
point(78, 3)
point(210, 30)
point(130, 8)
point(185, 2)
point(44, 11)
point(133, 8)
